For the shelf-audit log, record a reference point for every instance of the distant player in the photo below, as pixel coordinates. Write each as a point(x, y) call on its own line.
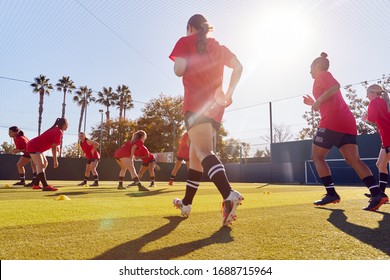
point(36, 147)
point(183, 153)
point(20, 142)
point(337, 128)
point(89, 148)
point(148, 163)
point(124, 157)
point(379, 114)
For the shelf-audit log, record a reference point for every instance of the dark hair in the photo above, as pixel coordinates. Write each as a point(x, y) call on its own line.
point(59, 122)
point(84, 135)
point(16, 129)
point(322, 61)
point(202, 27)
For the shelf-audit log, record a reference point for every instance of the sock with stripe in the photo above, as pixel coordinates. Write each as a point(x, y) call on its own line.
point(214, 168)
point(192, 185)
point(372, 185)
point(383, 178)
point(329, 185)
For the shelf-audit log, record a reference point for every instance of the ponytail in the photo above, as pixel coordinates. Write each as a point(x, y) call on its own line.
point(138, 135)
point(59, 122)
point(17, 130)
point(202, 27)
point(385, 96)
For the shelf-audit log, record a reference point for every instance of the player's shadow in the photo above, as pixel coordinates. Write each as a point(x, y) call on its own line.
point(132, 250)
point(377, 237)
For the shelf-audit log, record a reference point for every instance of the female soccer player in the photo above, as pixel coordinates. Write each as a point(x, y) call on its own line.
point(51, 138)
point(200, 61)
point(148, 163)
point(337, 128)
point(379, 114)
point(124, 157)
point(89, 148)
point(183, 153)
point(20, 143)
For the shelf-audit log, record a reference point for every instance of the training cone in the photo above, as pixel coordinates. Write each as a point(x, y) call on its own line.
point(7, 186)
point(62, 197)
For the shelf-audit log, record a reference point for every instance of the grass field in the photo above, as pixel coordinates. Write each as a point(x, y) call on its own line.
point(275, 222)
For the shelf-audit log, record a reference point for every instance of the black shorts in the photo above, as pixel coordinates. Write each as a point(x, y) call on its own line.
point(92, 160)
point(146, 164)
point(181, 159)
point(191, 119)
point(387, 149)
point(26, 155)
point(327, 138)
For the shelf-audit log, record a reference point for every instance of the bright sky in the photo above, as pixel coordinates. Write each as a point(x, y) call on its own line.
point(111, 42)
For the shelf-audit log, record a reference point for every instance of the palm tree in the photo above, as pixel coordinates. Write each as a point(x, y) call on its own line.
point(124, 100)
point(65, 84)
point(107, 98)
point(41, 86)
point(83, 96)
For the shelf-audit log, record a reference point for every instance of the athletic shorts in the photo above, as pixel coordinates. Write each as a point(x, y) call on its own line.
point(191, 119)
point(387, 149)
point(327, 138)
point(181, 159)
point(92, 160)
point(146, 163)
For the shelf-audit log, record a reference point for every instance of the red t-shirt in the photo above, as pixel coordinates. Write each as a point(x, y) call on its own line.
point(21, 143)
point(379, 114)
point(203, 75)
point(45, 141)
point(87, 149)
point(335, 113)
point(125, 150)
point(184, 149)
point(143, 151)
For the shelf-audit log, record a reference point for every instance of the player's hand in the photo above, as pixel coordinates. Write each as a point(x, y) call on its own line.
point(221, 98)
point(55, 165)
point(308, 100)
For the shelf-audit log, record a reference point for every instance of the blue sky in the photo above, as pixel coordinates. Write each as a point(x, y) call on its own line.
point(107, 43)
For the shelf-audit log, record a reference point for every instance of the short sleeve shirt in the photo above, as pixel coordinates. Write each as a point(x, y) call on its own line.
point(378, 113)
point(45, 141)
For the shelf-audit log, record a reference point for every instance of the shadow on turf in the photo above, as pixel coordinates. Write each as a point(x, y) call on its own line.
point(132, 250)
point(377, 237)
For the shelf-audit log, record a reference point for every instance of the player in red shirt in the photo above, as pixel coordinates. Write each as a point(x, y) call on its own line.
point(148, 163)
point(337, 128)
point(20, 142)
point(201, 61)
point(51, 138)
point(379, 114)
point(124, 157)
point(183, 153)
point(89, 148)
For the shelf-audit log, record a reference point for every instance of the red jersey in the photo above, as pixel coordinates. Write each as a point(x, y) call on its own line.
point(21, 143)
point(335, 113)
point(184, 149)
point(87, 149)
point(203, 75)
point(125, 150)
point(143, 151)
point(380, 115)
point(45, 141)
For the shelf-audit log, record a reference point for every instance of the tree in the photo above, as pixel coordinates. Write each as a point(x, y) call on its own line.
point(65, 84)
point(83, 96)
point(163, 122)
point(7, 148)
point(123, 100)
point(280, 133)
point(234, 151)
point(313, 120)
point(120, 131)
point(72, 151)
point(41, 86)
point(108, 99)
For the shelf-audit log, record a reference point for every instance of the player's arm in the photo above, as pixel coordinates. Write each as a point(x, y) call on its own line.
point(180, 66)
point(54, 151)
point(94, 145)
point(326, 95)
point(235, 77)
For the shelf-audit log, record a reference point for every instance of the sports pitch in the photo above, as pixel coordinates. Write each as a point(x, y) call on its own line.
point(275, 222)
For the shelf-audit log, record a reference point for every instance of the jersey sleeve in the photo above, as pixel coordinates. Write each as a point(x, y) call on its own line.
point(180, 49)
point(372, 112)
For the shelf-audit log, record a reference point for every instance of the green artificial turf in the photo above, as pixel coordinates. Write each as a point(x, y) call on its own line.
point(275, 222)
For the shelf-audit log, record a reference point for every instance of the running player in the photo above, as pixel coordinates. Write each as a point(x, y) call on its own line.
point(337, 128)
point(379, 114)
point(124, 157)
point(89, 148)
point(20, 143)
point(200, 61)
point(183, 153)
point(36, 147)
